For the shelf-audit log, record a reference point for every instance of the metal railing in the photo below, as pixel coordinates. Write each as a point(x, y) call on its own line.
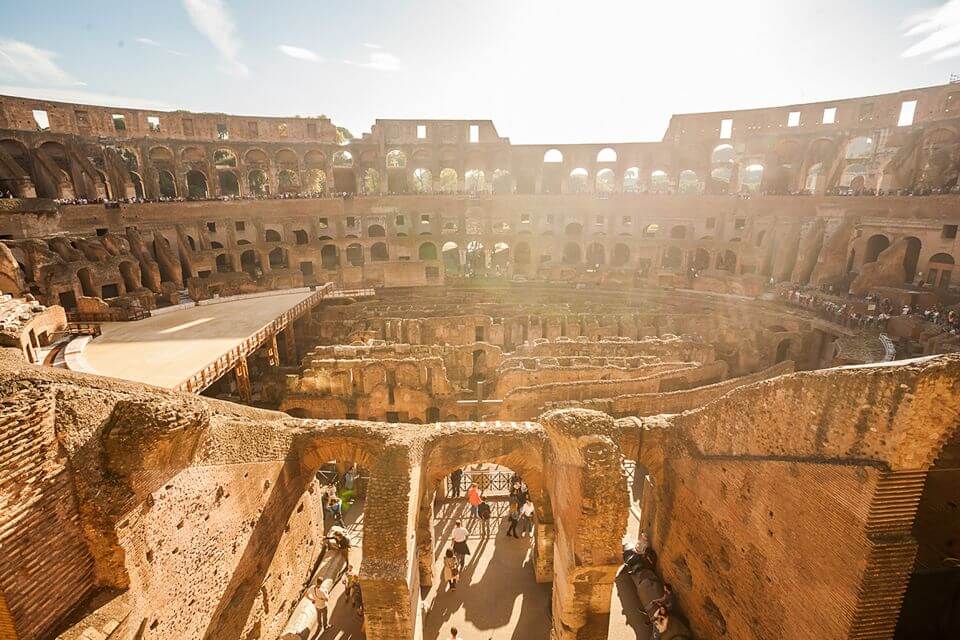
point(81, 329)
point(488, 481)
point(352, 293)
point(216, 369)
point(114, 314)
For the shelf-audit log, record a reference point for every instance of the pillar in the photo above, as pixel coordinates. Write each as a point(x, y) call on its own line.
point(543, 552)
point(273, 352)
point(242, 372)
point(290, 345)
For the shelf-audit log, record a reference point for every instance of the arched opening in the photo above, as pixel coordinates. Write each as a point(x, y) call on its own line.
point(474, 180)
point(300, 236)
point(783, 351)
point(940, 270)
point(427, 251)
point(224, 158)
point(378, 252)
point(573, 229)
point(315, 181)
point(21, 157)
point(689, 182)
point(287, 182)
point(650, 231)
point(196, 185)
point(272, 235)
point(814, 176)
point(397, 171)
point(344, 177)
point(552, 173)
point(376, 231)
point(701, 259)
point(224, 263)
point(355, 255)
point(137, 184)
point(371, 182)
point(476, 259)
point(451, 257)
point(229, 185)
point(727, 261)
point(329, 257)
point(502, 181)
point(679, 232)
point(521, 255)
point(621, 255)
point(659, 181)
point(606, 155)
point(606, 181)
point(577, 181)
point(422, 181)
point(596, 254)
point(631, 180)
point(859, 147)
point(910, 258)
point(672, 258)
point(168, 185)
point(571, 253)
point(751, 178)
point(277, 259)
point(722, 154)
point(257, 183)
point(448, 180)
point(250, 263)
point(553, 156)
point(876, 245)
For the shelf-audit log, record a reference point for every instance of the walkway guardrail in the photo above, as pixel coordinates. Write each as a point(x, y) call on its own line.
point(216, 369)
point(81, 329)
point(114, 314)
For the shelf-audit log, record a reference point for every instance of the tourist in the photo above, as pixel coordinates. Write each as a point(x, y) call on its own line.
point(454, 634)
point(335, 506)
point(460, 548)
point(319, 595)
point(451, 570)
point(349, 477)
point(526, 518)
point(666, 601)
point(473, 498)
point(351, 583)
point(660, 622)
point(340, 542)
point(484, 512)
point(514, 517)
point(455, 478)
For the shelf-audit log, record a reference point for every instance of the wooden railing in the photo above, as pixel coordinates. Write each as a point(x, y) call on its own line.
point(216, 369)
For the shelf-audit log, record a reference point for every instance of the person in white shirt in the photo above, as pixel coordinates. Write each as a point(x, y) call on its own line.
point(526, 518)
point(319, 595)
point(460, 548)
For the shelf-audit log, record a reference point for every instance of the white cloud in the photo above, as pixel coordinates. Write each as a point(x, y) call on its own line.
point(211, 18)
point(379, 61)
point(153, 43)
point(82, 96)
point(940, 31)
point(22, 62)
point(298, 52)
point(370, 45)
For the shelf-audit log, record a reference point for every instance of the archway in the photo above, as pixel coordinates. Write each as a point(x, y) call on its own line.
point(250, 263)
point(573, 229)
point(939, 270)
point(502, 181)
point(701, 259)
point(577, 181)
point(167, 183)
point(376, 231)
point(329, 257)
point(272, 235)
point(751, 178)
point(427, 251)
point(196, 185)
point(229, 185)
point(422, 181)
point(355, 255)
point(224, 263)
point(521, 254)
point(783, 351)
point(571, 253)
point(596, 254)
point(650, 231)
point(689, 182)
point(678, 232)
point(451, 257)
point(659, 181)
point(378, 252)
point(277, 259)
point(876, 245)
point(137, 184)
point(476, 259)
point(910, 258)
point(257, 183)
point(727, 261)
point(371, 182)
point(606, 181)
point(448, 180)
point(474, 180)
point(621, 255)
point(631, 180)
point(287, 182)
point(672, 258)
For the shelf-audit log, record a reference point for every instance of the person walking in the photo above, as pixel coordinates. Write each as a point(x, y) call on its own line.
point(451, 570)
point(319, 595)
point(484, 512)
point(514, 517)
point(455, 478)
point(335, 505)
point(460, 548)
point(473, 498)
point(454, 634)
point(526, 518)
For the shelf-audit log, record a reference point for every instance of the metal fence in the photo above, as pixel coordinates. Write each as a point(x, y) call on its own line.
point(491, 482)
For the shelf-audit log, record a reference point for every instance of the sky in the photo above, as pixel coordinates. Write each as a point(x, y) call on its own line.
point(552, 71)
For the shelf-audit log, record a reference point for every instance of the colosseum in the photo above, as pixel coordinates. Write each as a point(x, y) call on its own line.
point(705, 387)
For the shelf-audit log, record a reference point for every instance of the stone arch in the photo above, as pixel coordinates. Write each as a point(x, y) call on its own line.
point(378, 252)
point(130, 274)
point(573, 229)
point(256, 157)
point(859, 147)
point(272, 235)
point(659, 181)
point(606, 181)
point(571, 253)
point(751, 178)
point(552, 156)
point(672, 258)
point(167, 183)
point(355, 254)
point(596, 254)
point(701, 259)
point(250, 262)
point(451, 256)
point(727, 261)
point(224, 263)
point(277, 258)
point(229, 184)
point(329, 256)
point(257, 183)
point(287, 159)
point(631, 180)
point(422, 180)
point(474, 180)
point(287, 181)
point(689, 182)
point(607, 154)
point(449, 180)
point(196, 184)
point(427, 251)
point(678, 232)
point(620, 256)
point(651, 230)
point(521, 254)
point(578, 180)
point(376, 231)
point(224, 158)
point(911, 257)
point(876, 245)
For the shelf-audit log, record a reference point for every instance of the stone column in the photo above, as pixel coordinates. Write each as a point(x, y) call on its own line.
point(242, 372)
point(273, 352)
point(588, 489)
point(290, 345)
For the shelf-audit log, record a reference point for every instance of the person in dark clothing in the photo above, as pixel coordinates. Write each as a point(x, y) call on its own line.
point(455, 479)
point(514, 518)
point(484, 512)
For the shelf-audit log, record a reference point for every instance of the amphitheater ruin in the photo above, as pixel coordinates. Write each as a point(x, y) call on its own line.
point(740, 342)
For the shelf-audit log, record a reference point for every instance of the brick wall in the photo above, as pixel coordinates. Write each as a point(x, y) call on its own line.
point(46, 569)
